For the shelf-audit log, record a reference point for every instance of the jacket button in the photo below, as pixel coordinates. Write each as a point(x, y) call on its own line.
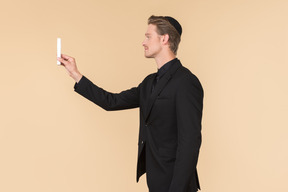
point(142, 142)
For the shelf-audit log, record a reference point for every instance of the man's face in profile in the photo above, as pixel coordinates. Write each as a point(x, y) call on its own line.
point(152, 42)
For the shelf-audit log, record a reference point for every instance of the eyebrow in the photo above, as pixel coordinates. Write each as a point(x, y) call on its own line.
point(147, 34)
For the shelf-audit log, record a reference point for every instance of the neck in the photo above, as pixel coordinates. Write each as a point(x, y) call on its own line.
point(162, 60)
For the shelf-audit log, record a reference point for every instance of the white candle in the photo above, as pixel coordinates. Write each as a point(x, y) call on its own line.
point(58, 50)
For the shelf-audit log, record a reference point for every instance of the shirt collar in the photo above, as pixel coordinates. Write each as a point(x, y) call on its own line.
point(165, 67)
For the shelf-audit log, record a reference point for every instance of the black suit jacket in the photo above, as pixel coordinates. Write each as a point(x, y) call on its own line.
point(170, 126)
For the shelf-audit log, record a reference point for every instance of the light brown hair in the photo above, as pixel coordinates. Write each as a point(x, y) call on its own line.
point(165, 27)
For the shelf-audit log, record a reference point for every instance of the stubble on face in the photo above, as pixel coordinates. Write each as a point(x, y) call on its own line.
point(151, 42)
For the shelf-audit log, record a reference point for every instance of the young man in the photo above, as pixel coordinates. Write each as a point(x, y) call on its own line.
point(170, 102)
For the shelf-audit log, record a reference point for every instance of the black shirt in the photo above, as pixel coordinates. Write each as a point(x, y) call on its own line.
point(162, 71)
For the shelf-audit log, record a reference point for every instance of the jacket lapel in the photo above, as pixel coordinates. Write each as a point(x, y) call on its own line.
point(160, 86)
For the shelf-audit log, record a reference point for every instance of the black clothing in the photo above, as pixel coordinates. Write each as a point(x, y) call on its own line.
point(170, 125)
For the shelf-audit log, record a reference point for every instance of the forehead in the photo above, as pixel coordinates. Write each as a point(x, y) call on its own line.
point(151, 29)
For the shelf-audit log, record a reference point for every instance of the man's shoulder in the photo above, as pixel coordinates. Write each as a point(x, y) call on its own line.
point(184, 74)
point(186, 79)
point(149, 77)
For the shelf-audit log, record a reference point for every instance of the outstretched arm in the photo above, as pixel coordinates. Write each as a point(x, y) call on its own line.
point(109, 101)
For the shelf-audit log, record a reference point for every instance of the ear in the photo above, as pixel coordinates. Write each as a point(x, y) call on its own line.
point(165, 39)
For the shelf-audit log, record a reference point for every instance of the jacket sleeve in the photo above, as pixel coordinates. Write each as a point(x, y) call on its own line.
point(189, 105)
point(109, 101)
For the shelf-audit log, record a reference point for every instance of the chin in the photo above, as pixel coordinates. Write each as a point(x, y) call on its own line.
point(149, 56)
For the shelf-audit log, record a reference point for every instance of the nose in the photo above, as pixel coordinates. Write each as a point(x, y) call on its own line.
point(144, 42)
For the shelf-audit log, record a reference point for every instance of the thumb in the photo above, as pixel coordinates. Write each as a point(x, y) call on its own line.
point(63, 61)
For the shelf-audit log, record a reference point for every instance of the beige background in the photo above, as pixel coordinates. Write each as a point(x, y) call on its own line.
point(52, 139)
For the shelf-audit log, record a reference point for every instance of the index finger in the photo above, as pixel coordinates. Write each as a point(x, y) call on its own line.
point(66, 57)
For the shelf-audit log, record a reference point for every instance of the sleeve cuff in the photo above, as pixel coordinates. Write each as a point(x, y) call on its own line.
point(82, 82)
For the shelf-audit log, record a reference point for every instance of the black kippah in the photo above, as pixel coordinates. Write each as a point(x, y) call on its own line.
point(175, 24)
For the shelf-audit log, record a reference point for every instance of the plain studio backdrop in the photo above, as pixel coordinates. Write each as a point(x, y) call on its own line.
point(52, 139)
